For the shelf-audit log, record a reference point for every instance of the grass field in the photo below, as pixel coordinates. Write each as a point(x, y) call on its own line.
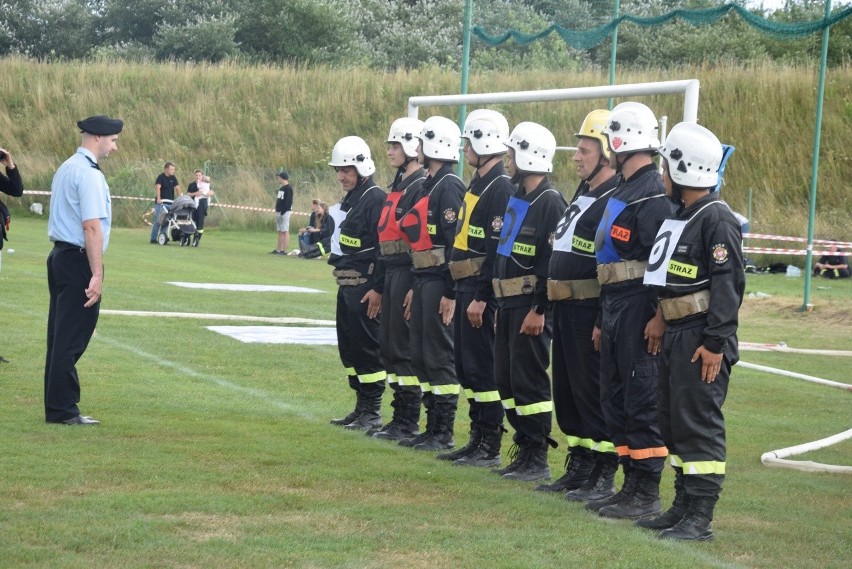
point(215, 453)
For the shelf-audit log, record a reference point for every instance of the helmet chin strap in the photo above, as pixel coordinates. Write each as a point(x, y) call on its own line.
point(597, 169)
point(677, 194)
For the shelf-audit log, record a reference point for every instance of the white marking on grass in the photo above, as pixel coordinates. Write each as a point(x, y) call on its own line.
point(224, 383)
point(247, 287)
point(279, 335)
point(240, 317)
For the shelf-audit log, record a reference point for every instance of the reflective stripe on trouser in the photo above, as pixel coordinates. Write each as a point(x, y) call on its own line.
point(474, 354)
point(431, 341)
point(629, 377)
point(597, 446)
point(691, 419)
point(520, 366)
point(576, 372)
point(358, 341)
point(393, 332)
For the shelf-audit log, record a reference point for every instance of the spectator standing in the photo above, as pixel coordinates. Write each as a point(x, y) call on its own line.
point(10, 184)
point(79, 227)
point(200, 191)
point(283, 209)
point(166, 188)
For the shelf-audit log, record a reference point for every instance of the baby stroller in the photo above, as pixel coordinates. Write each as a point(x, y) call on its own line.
point(177, 222)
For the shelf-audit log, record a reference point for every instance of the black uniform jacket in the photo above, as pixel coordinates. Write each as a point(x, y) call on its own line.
point(578, 262)
point(359, 241)
point(533, 244)
point(483, 230)
point(446, 193)
point(628, 235)
point(709, 255)
point(409, 186)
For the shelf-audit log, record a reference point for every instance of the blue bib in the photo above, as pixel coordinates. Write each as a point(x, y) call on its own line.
point(607, 253)
point(516, 211)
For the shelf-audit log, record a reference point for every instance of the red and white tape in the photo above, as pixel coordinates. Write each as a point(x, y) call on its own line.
point(765, 237)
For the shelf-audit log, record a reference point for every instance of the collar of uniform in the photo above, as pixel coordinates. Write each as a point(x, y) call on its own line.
point(642, 171)
point(542, 187)
point(432, 180)
point(359, 190)
point(700, 202)
point(87, 154)
point(407, 181)
point(479, 183)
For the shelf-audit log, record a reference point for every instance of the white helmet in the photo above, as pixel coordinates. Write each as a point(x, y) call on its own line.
point(694, 155)
point(353, 151)
point(405, 131)
point(632, 127)
point(487, 132)
point(534, 148)
point(440, 137)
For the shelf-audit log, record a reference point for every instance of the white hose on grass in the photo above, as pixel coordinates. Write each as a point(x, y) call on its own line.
point(776, 458)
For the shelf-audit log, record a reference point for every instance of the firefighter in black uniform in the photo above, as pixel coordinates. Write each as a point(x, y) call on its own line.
point(524, 323)
point(474, 250)
point(697, 267)
point(630, 328)
point(354, 255)
point(574, 291)
point(396, 257)
point(429, 227)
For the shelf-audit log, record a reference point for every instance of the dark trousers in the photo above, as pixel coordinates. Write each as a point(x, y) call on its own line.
point(358, 342)
point(474, 353)
point(200, 214)
point(520, 366)
point(69, 328)
point(576, 375)
point(691, 419)
point(395, 344)
point(431, 341)
point(629, 377)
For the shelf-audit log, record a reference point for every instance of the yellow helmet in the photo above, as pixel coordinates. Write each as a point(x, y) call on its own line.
point(593, 127)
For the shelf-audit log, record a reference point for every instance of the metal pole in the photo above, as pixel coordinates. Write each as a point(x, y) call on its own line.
point(806, 305)
point(612, 49)
point(748, 211)
point(468, 22)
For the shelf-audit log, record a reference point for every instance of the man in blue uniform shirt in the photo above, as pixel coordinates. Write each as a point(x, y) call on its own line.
point(79, 227)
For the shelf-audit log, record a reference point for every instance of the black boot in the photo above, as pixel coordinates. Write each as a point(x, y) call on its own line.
point(393, 425)
point(673, 515)
point(407, 415)
point(429, 404)
point(627, 489)
point(370, 416)
point(472, 445)
point(578, 466)
point(516, 459)
point(196, 238)
point(487, 454)
point(695, 525)
point(354, 414)
point(535, 467)
point(601, 482)
point(442, 435)
point(644, 502)
point(311, 252)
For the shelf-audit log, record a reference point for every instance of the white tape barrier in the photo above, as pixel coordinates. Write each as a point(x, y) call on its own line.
point(810, 378)
point(199, 316)
point(775, 251)
point(765, 237)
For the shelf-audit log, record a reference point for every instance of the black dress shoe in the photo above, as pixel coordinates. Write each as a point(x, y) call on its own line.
point(80, 420)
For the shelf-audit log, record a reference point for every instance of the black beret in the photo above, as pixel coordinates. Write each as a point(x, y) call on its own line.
point(284, 175)
point(101, 125)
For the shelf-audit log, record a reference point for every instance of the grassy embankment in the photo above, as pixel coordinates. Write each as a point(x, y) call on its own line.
point(215, 453)
point(245, 122)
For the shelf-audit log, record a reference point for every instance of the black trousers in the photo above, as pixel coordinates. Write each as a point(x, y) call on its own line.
point(431, 341)
point(474, 353)
point(576, 375)
point(629, 377)
point(520, 366)
point(199, 214)
point(691, 419)
point(69, 328)
point(358, 342)
point(395, 343)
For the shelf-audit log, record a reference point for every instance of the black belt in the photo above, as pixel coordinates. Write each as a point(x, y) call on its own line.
point(64, 245)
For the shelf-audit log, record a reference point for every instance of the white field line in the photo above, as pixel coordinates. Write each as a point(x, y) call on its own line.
point(753, 347)
point(203, 316)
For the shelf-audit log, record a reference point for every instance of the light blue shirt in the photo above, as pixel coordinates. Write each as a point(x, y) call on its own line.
point(79, 192)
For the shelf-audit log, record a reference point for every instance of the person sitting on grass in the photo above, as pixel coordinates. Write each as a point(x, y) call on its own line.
point(832, 266)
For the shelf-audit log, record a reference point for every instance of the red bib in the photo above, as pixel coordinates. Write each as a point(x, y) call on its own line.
point(415, 226)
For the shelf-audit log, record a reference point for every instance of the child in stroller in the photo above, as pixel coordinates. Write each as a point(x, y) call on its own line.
point(177, 223)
